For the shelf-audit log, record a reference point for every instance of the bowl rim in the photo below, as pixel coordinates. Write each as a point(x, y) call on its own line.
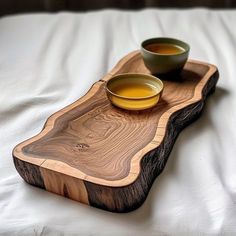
point(166, 38)
point(124, 75)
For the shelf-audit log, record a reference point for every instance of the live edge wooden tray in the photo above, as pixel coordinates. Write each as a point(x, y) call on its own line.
point(106, 157)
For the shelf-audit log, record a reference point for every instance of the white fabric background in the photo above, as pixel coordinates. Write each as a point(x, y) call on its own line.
point(47, 61)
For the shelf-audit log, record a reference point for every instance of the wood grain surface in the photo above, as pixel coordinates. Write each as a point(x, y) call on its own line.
point(107, 157)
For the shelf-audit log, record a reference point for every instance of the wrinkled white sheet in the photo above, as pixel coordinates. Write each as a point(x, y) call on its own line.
point(47, 61)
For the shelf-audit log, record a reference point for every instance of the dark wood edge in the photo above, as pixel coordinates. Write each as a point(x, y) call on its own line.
point(29, 172)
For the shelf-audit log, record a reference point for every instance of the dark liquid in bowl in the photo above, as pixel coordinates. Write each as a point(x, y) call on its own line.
point(164, 48)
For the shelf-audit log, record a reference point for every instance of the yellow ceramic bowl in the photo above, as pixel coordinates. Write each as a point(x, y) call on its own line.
point(134, 91)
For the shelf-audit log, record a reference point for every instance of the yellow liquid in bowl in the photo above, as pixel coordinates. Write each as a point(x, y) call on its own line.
point(134, 96)
point(133, 90)
point(164, 48)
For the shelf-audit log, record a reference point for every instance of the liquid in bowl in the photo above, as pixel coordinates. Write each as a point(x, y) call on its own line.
point(164, 48)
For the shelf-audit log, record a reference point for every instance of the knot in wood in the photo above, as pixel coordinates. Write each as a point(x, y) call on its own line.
point(82, 146)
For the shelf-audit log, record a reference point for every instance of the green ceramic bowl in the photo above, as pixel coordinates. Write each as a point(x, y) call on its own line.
point(164, 55)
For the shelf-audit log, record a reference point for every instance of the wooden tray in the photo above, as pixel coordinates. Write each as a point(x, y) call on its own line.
point(107, 157)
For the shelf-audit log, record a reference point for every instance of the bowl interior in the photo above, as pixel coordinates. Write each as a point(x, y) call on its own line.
point(134, 86)
point(175, 42)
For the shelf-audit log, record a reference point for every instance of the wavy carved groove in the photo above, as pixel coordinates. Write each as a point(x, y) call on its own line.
point(107, 157)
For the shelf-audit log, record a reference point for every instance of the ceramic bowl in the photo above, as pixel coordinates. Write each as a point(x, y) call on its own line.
point(161, 63)
point(134, 91)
